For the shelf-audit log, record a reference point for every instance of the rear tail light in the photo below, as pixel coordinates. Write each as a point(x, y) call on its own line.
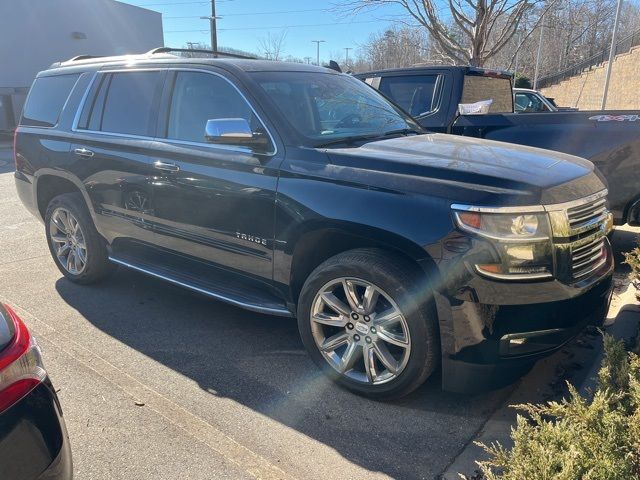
point(21, 368)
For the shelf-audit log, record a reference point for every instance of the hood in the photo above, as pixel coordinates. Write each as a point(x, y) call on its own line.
point(482, 167)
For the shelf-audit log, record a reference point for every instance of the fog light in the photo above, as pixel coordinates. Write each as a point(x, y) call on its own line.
point(499, 271)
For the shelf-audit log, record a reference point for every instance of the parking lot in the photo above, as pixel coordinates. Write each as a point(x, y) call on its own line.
point(156, 382)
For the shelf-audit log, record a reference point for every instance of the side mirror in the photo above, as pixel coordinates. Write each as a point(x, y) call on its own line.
point(228, 130)
point(236, 131)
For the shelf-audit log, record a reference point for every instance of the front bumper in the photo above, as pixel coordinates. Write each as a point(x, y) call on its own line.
point(493, 332)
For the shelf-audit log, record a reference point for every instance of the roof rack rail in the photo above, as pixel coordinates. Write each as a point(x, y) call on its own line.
point(215, 53)
point(83, 57)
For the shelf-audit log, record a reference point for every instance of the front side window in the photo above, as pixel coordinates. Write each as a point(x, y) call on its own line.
point(46, 99)
point(199, 97)
point(414, 93)
point(326, 107)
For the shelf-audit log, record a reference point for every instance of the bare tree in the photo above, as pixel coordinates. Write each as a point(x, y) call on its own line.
point(393, 48)
point(478, 29)
point(272, 46)
point(574, 31)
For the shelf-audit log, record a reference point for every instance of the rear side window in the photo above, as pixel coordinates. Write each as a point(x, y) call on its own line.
point(477, 88)
point(124, 103)
point(46, 99)
point(416, 94)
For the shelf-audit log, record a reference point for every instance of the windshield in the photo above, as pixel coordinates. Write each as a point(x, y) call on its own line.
point(326, 108)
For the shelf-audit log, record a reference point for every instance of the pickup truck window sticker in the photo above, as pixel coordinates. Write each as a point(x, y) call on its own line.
point(615, 118)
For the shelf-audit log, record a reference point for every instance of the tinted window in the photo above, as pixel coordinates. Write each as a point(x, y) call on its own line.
point(414, 93)
point(95, 118)
point(129, 103)
point(198, 97)
point(46, 99)
point(477, 88)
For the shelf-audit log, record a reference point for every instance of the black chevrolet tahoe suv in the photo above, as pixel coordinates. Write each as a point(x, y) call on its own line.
point(294, 190)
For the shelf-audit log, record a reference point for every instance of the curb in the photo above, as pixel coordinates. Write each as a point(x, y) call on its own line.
point(547, 380)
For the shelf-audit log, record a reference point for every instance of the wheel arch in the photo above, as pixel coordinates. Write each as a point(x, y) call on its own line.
point(50, 183)
point(319, 243)
point(632, 208)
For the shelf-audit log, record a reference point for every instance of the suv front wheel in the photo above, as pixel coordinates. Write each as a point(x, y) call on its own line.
point(367, 319)
point(75, 245)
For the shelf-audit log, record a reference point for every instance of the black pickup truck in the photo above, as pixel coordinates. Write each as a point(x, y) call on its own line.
point(610, 139)
point(293, 190)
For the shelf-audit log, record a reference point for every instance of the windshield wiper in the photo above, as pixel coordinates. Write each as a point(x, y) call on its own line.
point(400, 131)
point(346, 140)
point(355, 138)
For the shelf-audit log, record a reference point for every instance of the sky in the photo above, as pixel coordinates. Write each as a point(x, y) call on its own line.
point(245, 22)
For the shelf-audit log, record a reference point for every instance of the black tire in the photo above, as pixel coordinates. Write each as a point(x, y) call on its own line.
point(97, 266)
point(408, 288)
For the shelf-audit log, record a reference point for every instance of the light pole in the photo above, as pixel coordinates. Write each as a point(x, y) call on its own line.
point(612, 56)
point(346, 56)
point(318, 42)
point(515, 70)
point(535, 76)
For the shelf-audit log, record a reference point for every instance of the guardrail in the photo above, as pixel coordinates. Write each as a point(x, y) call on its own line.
point(623, 46)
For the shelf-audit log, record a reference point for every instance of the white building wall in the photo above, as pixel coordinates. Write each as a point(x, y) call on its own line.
point(36, 33)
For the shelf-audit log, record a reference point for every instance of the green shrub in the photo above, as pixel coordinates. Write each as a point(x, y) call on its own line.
point(577, 438)
point(632, 259)
point(522, 81)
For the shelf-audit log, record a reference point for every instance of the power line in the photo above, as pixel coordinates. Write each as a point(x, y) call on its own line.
point(278, 26)
point(259, 13)
point(200, 2)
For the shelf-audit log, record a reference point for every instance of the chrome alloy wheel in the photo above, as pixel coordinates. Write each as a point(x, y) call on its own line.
point(68, 241)
point(360, 331)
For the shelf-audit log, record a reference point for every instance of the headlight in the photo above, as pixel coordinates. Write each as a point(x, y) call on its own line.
point(506, 227)
point(522, 241)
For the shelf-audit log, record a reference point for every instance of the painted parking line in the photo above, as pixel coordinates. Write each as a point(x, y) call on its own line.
point(202, 431)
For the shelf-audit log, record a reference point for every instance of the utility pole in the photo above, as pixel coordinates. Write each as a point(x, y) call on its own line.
point(214, 29)
point(612, 56)
point(346, 55)
point(318, 42)
point(535, 77)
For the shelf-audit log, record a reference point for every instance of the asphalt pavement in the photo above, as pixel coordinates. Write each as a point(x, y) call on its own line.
point(158, 382)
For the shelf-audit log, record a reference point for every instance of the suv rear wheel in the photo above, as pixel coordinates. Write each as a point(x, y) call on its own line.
point(367, 319)
point(75, 245)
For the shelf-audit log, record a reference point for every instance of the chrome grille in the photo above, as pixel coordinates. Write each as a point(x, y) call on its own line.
point(579, 229)
point(587, 215)
point(588, 257)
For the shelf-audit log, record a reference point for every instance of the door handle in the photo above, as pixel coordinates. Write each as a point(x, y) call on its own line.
point(83, 152)
point(166, 167)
